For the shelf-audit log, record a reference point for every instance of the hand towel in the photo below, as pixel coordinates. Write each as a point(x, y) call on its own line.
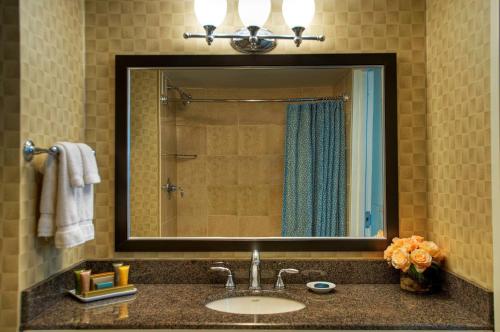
point(90, 171)
point(68, 215)
point(75, 164)
point(86, 210)
point(47, 165)
point(90, 177)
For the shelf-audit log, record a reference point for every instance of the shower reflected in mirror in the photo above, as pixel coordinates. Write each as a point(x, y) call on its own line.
point(274, 152)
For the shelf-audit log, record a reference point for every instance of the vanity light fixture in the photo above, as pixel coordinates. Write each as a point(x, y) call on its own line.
point(254, 38)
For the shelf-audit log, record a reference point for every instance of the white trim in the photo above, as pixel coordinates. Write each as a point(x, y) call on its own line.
point(358, 134)
point(495, 153)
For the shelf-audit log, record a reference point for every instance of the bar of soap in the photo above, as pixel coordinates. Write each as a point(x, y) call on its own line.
point(103, 285)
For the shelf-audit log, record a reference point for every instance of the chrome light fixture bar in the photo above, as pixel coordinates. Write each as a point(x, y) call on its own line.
point(254, 13)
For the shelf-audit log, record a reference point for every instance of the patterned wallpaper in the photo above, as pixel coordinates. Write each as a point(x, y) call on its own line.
point(9, 164)
point(144, 151)
point(52, 109)
point(458, 135)
point(156, 27)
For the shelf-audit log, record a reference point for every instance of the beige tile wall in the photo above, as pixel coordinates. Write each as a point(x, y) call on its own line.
point(52, 109)
point(144, 151)
point(458, 130)
point(9, 164)
point(156, 27)
point(169, 165)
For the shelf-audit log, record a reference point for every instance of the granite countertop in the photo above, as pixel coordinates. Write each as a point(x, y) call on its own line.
point(182, 306)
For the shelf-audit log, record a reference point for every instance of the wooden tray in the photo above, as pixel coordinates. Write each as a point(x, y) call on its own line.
point(105, 293)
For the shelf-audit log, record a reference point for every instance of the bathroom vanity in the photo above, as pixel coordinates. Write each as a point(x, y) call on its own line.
point(367, 297)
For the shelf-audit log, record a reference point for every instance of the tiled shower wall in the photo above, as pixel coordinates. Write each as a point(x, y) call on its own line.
point(9, 164)
point(458, 135)
point(234, 186)
point(156, 27)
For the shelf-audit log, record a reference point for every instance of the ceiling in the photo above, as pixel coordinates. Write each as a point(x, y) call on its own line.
point(277, 77)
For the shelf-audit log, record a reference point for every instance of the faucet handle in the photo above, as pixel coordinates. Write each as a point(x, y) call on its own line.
point(280, 285)
point(230, 282)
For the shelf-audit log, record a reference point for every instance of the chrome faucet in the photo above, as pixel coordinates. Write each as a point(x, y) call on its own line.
point(254, 281)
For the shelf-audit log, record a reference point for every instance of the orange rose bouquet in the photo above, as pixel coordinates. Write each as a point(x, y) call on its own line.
point(419, 261)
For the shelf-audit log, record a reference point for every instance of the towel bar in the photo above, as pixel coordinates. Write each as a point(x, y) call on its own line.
point(30, 149)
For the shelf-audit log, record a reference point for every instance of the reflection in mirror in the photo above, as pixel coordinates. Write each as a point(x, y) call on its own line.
point(257, 152)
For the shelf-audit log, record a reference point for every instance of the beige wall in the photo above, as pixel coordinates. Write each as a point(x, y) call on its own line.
point(156, 27)
point(9, 164)
point(144, 151)
point(458, 130)
point(41, 99)
point(52, 109)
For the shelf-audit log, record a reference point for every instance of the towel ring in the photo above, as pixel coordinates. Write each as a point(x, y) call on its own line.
point(30, 150)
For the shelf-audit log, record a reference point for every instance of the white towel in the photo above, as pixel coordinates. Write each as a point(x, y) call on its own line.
point(87, 212)
point(48, 167)
point(68, 208)
point(75, 164)
point(90, 171)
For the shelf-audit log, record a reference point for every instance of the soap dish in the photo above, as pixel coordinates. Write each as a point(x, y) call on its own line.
point(103, 294)
point(321, 287)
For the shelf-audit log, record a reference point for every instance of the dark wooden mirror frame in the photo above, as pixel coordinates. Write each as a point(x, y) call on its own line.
point(122, 240)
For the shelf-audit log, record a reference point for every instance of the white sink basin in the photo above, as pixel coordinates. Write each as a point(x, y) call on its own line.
point(255, 305)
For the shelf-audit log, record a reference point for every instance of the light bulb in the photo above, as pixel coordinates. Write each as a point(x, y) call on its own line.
point(298, 13)
point(210, 12)
point(254, 12)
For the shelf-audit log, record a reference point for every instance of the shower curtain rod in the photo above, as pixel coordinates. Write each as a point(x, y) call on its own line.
point(344, 97)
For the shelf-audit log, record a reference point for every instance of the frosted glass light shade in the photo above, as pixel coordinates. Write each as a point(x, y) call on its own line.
point(210, 12)
point(254, 12)
point(298, 13)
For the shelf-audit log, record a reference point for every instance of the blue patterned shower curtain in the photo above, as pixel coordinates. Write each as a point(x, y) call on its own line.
point(314, 196)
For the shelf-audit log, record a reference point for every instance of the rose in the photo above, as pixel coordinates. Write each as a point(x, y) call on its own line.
point(430, 247)
point(410, 245)
point(388, 252)
point(417, 238)
point(421, 259)
point(401, 260)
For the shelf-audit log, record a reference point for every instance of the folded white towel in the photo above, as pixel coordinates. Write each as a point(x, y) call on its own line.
point(90, 177)
point(86, 210)
point(75, 164)
point(48, 166)
point(68, 231)
point(90, 171)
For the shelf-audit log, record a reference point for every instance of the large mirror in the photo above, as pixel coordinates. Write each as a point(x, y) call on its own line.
point(232, 153)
